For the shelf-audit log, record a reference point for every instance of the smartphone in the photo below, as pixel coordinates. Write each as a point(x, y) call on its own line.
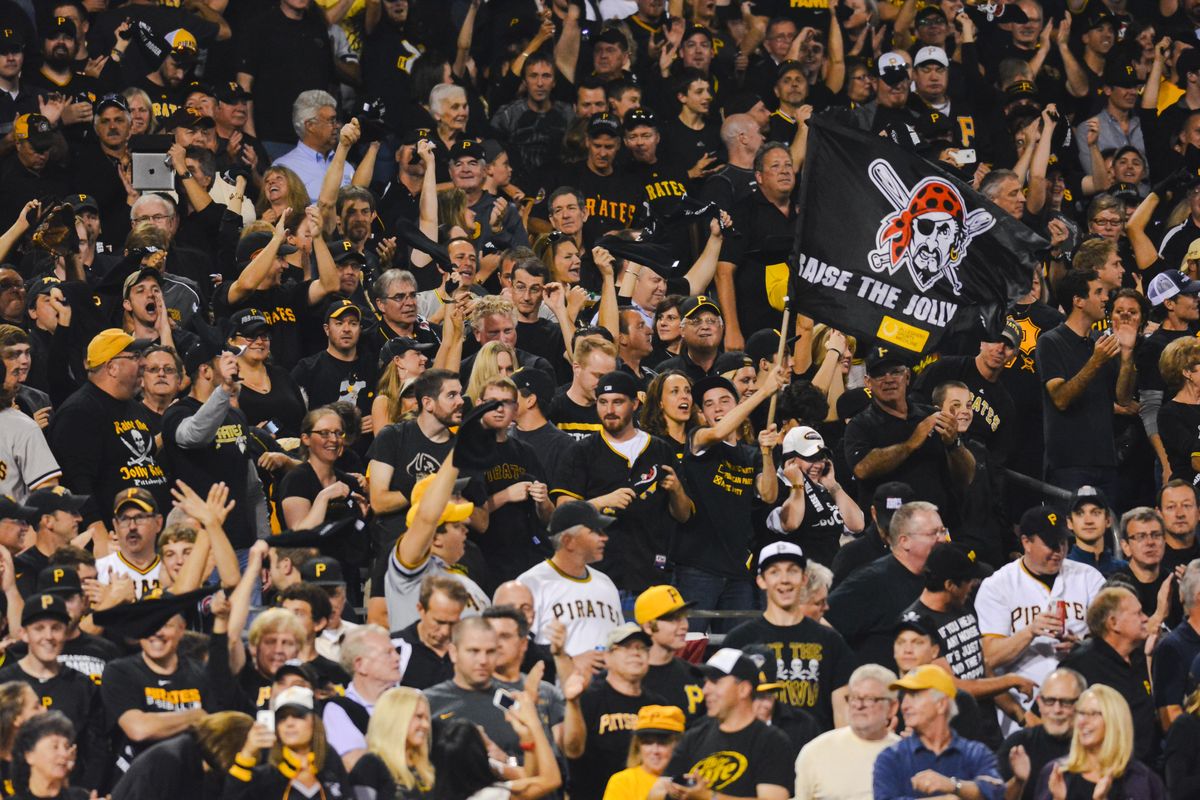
point(964, 157)
point(684, 780)
point(266, 718)
point(504, 700)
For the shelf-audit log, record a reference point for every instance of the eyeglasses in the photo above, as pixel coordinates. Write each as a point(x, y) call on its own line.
point(1065, 702)
point(1107, 222)
point(169, 371)
point(1090, 714)
point(705, 320)
point(1156, 536)
point(400, 297)
point(864, 699)
point(8, 286)
point(156, 218)
point(265, 337)
point(328, 434)
point(508, 403)
point(894, 372)
point(137, 519)
point(942, 531)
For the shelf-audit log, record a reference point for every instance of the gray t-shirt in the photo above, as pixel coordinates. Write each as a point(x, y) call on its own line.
point(402, 587)
point(447, 700)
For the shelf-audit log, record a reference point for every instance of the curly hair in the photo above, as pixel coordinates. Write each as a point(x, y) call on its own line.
point(1177, 358)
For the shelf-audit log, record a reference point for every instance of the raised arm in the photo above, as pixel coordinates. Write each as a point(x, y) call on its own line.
point(768, 384)
point(702, 272)
point(607, 315)
point(414, 544)
point(327, 276)
point(260, 265)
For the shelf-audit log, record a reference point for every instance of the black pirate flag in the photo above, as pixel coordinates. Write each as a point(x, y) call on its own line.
point(893, 247)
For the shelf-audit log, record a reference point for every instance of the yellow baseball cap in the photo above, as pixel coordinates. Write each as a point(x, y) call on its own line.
point(656, 602)
point(182, 43)
point(659, 719)
point(927, 676)
point(110, 343)
point(454, 512)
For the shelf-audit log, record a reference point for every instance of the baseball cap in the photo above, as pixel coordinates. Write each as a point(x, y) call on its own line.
point(183, 45)
point(1188, 61)
point(1098, 17)
point(710, 382)
point(912, 621)
point(930, 11)
point(1171, 282)
point(1121, 73)
point(604, 124)
point(780, 551)
point(1088, 495)
point(887, 500)
point(322, 571)
point(399, 345)
point(343, 251)
point(47, 605)
point(337, 308)
point(11, 40)
point(415, 135)
point(537, 383)
point(111, 100)
point(453, 512)
point(1044, 523)
point(35, 129)
point(59, 579)
point(1193, 251)
point(492, 150)
point(927, 676)
point(893, 69)
point(852, 401)
point(931, 55)
point(60, 25)
point(731, 361)
point(248, 322)
point(109, 343)
point(618, 382)
point(657, 602)
point(135, 497)
point(659, 719)
point(1012, 333)
point(83, 202)
point(137, 276)
point(11, 509)
point(932, 124)
point(190, 118)
point(764, 343)
point(768, 667)
point(791, 65)
point(742, 101)
point(250, 245)
point(612, 35)
point(466, 148)
point(577, 512)
point(56, 498)
point(230, 92)
point(294, 666)
point(297, 698)
point(880, 358)
point(730, 661)
point(1020, 90)
point(949, 561)
point(623, 633)
point(640, 118)
point(695, 303)
point(805, 442)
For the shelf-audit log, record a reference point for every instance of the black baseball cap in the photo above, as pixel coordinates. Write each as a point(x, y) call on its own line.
point(466, 148)
point(788, 66)
point(880, 358)
point(11, 40)
point(1121, 73)
point(912, 621)
point(59, 579)
point(1189, 60)
point(732, 360)
point(1021, 90)
point(888, 498)
point(248, 321)
point(1089, 495)
point(1100, 16)
point(417, 134)
point(852, 402)
point(189, 118)
point(618, 382)
point(537, 383)
point(83, 202)
point(57, 498)
point(343, 251)
point(250, 245)
point(11, 509)
point(35, 129)
point(322, 571)
point(695, 303)
point(1045, 523)
point(764, 343)
point(294, 666)
point(231, 92)
point(949, 561)
point(578, 512)
point(604, 124)
point(399, 345)
point(709, 382)
point(640, 118)
point(39, 286)
point(612, 35)
point(47, 605)
point(339, 306)
point(60, 25)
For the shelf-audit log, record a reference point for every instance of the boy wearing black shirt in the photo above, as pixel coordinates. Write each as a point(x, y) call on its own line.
point(342, 371)
point(813, 662)
point(734, 753)
point(662, 613)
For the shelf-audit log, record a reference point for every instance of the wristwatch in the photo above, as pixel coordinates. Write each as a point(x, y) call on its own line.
point(957, 787)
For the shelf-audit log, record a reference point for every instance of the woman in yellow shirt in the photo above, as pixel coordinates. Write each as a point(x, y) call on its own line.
point(655, 735)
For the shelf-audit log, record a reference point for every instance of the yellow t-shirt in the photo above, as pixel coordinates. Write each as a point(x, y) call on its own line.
point(630, 784)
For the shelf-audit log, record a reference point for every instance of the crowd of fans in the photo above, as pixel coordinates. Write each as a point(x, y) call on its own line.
point(398, 402)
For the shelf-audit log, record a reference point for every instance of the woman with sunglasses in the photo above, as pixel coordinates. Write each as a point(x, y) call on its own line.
point(269, 397)
point(317, 491)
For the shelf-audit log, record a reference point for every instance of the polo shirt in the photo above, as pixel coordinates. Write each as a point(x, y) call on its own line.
point(1172, 660)
point(420, 666)
point(311, 166)
point(1097, 661)
point(963, 759)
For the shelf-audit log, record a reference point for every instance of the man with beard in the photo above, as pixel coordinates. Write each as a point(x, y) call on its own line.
point(356, 217)
point(893, 438)
point(15, 99)
point(627, 473)
point(890, 106)
point(533, 126)
point(166, 84)
point(57, 75)
point(31, 171)
point(343, 370)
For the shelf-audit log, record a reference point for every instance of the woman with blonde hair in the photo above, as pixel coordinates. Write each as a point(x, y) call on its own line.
point(282, 189)
point(1179, 417)
point(390, 769)
point(655, 734)
point(494, 360)
point(832, 354)
point(454, 212)
point(141, 111)
point(401, 361)
point(1100, 764)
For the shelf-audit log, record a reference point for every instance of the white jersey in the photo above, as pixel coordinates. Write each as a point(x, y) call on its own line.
point(590, 607)
point(145, 580)
point(1009, 599)
point(26, 462)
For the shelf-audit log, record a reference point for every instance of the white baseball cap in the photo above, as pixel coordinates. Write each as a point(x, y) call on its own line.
point(802, 441)
point(295, 697)
point(892, 60)
point(780, 551)
point(1168, 284)
point(930, 53)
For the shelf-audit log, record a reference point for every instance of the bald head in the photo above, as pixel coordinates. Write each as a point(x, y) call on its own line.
point(516, 594)
point(742, 138)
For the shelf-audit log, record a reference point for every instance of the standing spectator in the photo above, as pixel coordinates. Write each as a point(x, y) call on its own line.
point(951, 575)
point(1178, 417)
point(934, 759)
point(1179, 751)
point(839, 763)
point(1027, 750)
point(1177, 652)
point(573, 409)
point(1177, 504)
point(424, 645)
point(345, 371)
point(703, 330)
point(1089, 518)
point(1082, 381)
point(315, 120)
point(535, 391)
point(662, 613)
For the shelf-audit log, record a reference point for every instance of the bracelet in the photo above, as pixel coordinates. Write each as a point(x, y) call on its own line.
point(527, 747)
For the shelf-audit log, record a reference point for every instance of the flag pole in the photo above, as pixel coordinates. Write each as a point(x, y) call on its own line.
point(783, 337)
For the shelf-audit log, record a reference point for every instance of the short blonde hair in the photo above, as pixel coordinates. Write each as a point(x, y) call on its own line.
point(276, 620)
point(586, 345)
point(1116, 749)
point(1178, 357)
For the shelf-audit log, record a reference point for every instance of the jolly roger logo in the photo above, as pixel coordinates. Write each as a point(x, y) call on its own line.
point(929, 230)
point(424, 464)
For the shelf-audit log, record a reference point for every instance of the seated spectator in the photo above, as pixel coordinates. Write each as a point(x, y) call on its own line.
point(1024, 753)
point(401, 715)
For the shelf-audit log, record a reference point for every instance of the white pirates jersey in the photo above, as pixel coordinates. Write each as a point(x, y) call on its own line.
point(145, 580)
point(26, 462)
point(589, 607)
point(1009, 599)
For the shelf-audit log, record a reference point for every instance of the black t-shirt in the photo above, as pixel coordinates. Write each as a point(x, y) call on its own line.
point(412, 456)
point(609, 717)
point(420, 666)
point(86, 654)
point(1020, 378)
point(862, 551)
point(820, 532)
point(812, 662)
point(992, 406)
point(27, 566)
point(572, 418)
point(326, 379)
point(735, 763)
point(130, 685)
point(1100, 663)
point(282, 305)
point(283, 405)
point(371, 773)
point(515, 539)
point(958, 637)
point(1079, 436)
point(222, 459)
point(544, 338)
point(1041, 747)
point(1148, 351)
point(105, 446)
point(611, 200)
point(686, 145)
point(865, 607)
point(681, 684)
point(718, 535)
point(758, 220)
point(1179, 427)
point(550, 444)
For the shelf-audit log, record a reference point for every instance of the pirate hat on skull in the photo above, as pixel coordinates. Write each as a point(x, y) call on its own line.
point(933, 199)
